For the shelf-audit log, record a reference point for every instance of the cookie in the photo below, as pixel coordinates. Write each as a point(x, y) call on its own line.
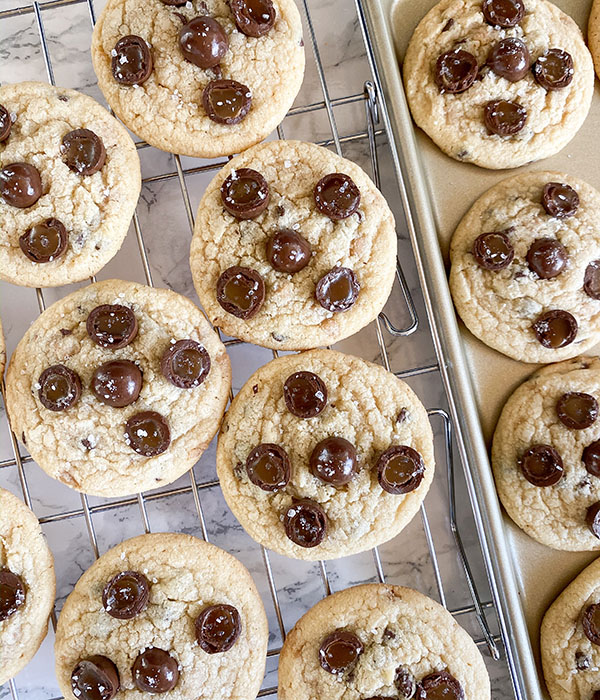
point(380, 641)
point(293, 248)
point(69, 183)
point(594, 34)
point(27, 585)
point(570, 639)
point(500, 83)
point(202, 78)
point(163, 613)
point(322, 455)
point(118, 388)
point(525, 274)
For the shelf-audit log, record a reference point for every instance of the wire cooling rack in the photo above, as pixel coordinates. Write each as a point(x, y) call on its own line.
point(373, 134)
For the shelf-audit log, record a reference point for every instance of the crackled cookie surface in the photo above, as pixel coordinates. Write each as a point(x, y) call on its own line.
point(118, 388)
point(525, 274)
point(380, 641)
point(166, 68)
point(69, 183)
point(294, 247)
point(498, 83)
point(163, 614)
point(27, 585)
point(323, 454)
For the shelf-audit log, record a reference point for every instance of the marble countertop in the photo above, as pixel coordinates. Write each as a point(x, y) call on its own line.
point(406, 559)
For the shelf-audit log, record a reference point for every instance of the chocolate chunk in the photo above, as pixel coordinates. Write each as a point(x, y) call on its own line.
point(582, 662)
point(591, 623)
point(83, 151)
point(334, 461)
point(253, 17)
point(112, 326)
point(504, 118)
point(448, 26)
point(455, 71)
point(405, 683)
point(12, 593)
point(148, 433)
point(117, 383)
point(268, 467)
point(45, 241)
point(305, 394)
point(132, 62)
point(493, 250)
point(541, 465)
point(203, 42)
point(510, 59)
point(555, 329)
point(592, 519)
point(126, 595)
point(218, 628)
point(226, 101)
point(337, 196)
point(174, 3)
point(554, 70)
point(577, 410)
point(241, 291)
point(60, 388)
point(20, 185)
point(95, 678)
point(338, 289)
point(185, 364)
point(305, 523)
point(288, 251)
point(560, 200)
point(547, 257)
point(5, 123)
point(503, 13)
point(245, 193)
point(591, 280)
point(155, 671)
point(339, 651)
point(400, 469)
point(440, 686)
point(591, 457)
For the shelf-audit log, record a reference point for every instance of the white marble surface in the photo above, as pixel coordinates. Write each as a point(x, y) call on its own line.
point(406, 559)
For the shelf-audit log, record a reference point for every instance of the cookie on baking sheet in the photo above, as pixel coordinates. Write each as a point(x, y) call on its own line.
point(69, 183)
point(294, 247)
point(202, 78)
point(323, 454)
point(118, 388)
point(27, 585)
point(498, 83)
point(163, 613)
point(378, 641)
point(594, 34)
point(525, 274)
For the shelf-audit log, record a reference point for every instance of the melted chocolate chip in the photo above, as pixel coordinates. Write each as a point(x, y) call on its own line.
point(226, 101)
point(218, 628)
point(305, 523)
point(577, 410)
point(185, 364)
point(591, 457)
point(504, 118)
point(20, 185)
point(83, 151)
point(95, 678)
point(334, 461)
point(60, 388)
point(245, 193)
point(112, 325)
point(547, 257)
point(175, 3)
point(203, 42)
point(288, 251)
point(305, 394)
point(554, 70)
point(592, 519)
point(591, 280)
point(132, 62)
point(337, 196)
point(12, 593)
point(268, 467)
point(405, 683)
point(455, 71)
point(5, 123)
point(400, 469)
point(148, 433)
point(45, 241)
point(503, 13)
point(241, 291)
point(541, 465)
point(493, 251)
point(510, 59)
point(440, 686)
point(555, 329)
point(591, 623)
point(117, 383)
point(560, 200)
point(339, 651)
point(126, 595)
point(155, 671)
point(338, 289)
point(253, 17)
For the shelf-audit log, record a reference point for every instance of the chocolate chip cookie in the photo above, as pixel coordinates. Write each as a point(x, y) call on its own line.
point(293, 248)
point(69, 184)
point(498, 83)
point(158, 614)
point(202, 78)
point(380, 642)
point(525, 274)
point(118, 388)
point(594, 34)
point(323, 454)
point(27, 585)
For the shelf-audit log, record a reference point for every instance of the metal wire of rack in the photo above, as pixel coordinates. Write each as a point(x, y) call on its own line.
point(373, 129)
